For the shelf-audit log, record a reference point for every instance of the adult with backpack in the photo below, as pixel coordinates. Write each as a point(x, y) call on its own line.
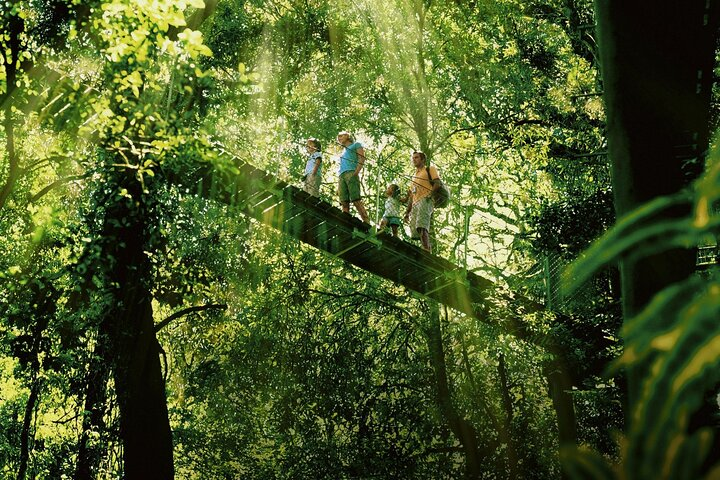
point(426, 192)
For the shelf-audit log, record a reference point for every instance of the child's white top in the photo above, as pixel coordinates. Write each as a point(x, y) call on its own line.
point(392, 207)
point(310, 165)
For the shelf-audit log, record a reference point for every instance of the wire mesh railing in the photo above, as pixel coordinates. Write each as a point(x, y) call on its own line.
point(556, 296)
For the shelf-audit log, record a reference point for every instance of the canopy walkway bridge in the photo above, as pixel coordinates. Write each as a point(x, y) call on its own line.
point(316, 222)
point(312, 220)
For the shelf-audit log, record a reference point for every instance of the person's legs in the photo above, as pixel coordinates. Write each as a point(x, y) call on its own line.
point(343, 192)
point(361, 210)
point(414, 233)
point(425, 239)
point(421, 216)
point(312, 185)
point(352, 183)
point(395, 223)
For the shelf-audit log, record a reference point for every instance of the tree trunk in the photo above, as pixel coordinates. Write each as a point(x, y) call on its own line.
point(45, 299)
point(11, 57)
point(144, 423)
point(506, 432)
point(90, 453)
point(657, 64)
point(560, 385)
point(13, 163)
point(461, 428)
point(140, 387)
point(25, 434)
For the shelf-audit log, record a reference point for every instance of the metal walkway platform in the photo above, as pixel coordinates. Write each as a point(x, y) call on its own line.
point(324, 226)
point(316, 222)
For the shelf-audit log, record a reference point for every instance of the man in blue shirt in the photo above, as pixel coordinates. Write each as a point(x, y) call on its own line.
point(351, 164)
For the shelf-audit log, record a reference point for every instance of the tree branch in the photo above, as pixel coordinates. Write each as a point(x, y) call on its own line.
point(187, 311)
point(516, 123)
point(339, 296)
point(57, 183)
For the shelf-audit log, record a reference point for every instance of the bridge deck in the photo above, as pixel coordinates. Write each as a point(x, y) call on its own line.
point(324, 226)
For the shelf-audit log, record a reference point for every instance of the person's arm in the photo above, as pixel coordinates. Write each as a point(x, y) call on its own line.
point(361, 160)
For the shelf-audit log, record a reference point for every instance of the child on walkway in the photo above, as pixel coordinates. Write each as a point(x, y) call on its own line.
point(392, 209)
point(313, 169)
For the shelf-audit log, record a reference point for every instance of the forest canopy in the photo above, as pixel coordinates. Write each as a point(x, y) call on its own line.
point(151, 327)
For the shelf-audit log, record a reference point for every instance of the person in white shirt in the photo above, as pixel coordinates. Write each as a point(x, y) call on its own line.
point(313, 167)
point(392, 209)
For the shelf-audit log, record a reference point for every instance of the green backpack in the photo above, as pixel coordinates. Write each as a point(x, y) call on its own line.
point(441, 196)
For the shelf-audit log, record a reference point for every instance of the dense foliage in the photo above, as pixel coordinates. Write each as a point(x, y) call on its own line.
point(144, 324)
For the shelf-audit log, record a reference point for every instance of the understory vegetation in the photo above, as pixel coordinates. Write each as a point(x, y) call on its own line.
point(148, 330)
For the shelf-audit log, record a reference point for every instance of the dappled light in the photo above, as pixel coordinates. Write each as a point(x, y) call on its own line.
point(354, 239)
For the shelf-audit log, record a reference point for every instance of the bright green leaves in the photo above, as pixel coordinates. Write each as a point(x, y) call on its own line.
point(152, 14)
point(14, 270)
point(246, 76)
point(131, 81)
point(193, 43)
point(149, 74)
point(136, 29)
point(132, 28)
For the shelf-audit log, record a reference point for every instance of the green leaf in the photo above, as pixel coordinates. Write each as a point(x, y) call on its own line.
point(627, 234)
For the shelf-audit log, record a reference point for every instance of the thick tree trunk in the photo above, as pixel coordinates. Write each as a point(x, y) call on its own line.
point(144, 424)
point(657, 64)
point(139, 384)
